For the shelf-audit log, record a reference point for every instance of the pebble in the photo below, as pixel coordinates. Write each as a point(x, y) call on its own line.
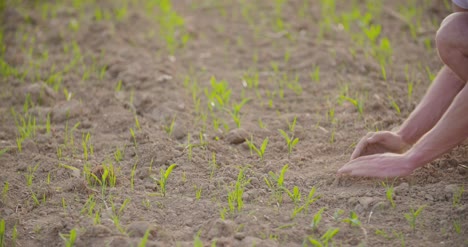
point(138, 229)
point(66, 110)
point(366, 202)
point(237, 136)
point(401, 189)
point(221, 228)
point(40, 93)
point(450, 190)
point(429, 197)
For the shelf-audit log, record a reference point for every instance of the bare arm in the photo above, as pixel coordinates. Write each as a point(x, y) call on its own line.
point(451, 130)
point(437, 100)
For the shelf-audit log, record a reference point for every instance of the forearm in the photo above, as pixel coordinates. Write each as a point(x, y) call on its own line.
point(451, 130)
point(434, 104)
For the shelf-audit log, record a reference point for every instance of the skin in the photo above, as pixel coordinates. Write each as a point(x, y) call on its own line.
point(439, 122)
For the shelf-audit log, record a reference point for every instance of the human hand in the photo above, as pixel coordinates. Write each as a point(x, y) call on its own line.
point(379, 142)
point(385, 165)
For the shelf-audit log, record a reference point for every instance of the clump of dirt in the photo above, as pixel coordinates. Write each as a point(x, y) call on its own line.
point(99, 85)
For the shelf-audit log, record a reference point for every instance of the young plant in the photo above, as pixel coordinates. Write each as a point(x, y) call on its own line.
point(291, 142)
point(144, 240)
point(317, 218)
point(326, 237)
point(261, 151)
point(236, 192)
point(2, 233)
point(235, 112)
point(163, 177)
point(353, 219)
point(30, 175)
point(69, 238)
point(276, 183)
point(413, 215)
point(389, 193)
point(457, 196)
point(170, 128)
point(5, 189)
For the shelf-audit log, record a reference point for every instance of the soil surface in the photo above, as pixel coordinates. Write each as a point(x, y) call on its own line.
point(146, 108)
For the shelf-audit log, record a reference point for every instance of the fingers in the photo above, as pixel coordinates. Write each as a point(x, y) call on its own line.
point(360, 147)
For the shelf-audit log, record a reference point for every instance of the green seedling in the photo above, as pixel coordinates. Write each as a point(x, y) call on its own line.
point(325, 239)
point(237, 190)
point(214, 165)
point(163, 177)
point(276, 183)
point(137, 122)
point(132, 133)
point(48, 128)
point(353, 219)
point(260, 152)
point(235, 112)
point(170, 128)
point(30, 175)
point(457, 196)
point(14, 235)
point(413, 215)
point(132, 176)
point(401, 237)
point(88, 148)
point(291, 142)
point(2, 233)
point(3, 151)
point(118, 154)
point(457, 226)
point(144, 240)
point(198, 192)
point(69, 238)
point(317, 218)
point(315, 74)
point(389, 191)
point(359, 104)
point(219, 95)
point(118, 87)
point(382, 233)
point(395, 106)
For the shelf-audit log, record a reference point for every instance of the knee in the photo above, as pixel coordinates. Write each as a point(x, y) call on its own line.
point(452, 37)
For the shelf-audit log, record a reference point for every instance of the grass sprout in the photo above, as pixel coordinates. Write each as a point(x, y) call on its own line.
point(260, 151)
point(413, 215)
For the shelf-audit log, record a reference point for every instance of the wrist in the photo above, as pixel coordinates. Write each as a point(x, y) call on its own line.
point(415, 158)
point(405, 137)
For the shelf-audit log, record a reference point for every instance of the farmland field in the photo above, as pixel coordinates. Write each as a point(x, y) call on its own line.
point(217, 123)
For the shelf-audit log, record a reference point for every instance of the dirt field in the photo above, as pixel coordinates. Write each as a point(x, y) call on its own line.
point(99, 96)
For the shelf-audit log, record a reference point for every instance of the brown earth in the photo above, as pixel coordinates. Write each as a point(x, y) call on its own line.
point(157, 88)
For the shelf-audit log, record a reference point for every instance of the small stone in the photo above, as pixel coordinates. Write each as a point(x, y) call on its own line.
point(450, 190)
point(179, 131)
point(138, 229)
point(366, 202)
point(239, 235)
point(221, 228)
point(120, 242)
point(381, 206)
point(40, 93)
point(429, 197)
point(98, 231)
point(401, 189)
point(353, 201)
point(253, 241)
point(462, 210)
point(237, 136)
point(66, 110)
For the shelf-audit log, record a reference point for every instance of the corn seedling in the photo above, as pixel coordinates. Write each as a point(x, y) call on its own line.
point(137, 122)
point(413, 215)
point(132, 176)
point(457, 196)
point(198, 192)
point(88, 148)
point(261, 151)
point(170, 128)
point(132, 133)
point(389, 193)
point(219, 95)
point(325, 238)
point(276, 183)
point(118, 87)
point(291, 142)
point(14, 235)
point(359, 104)
point(457, 226)
point(401, 237)
point(144, 240)
point(30, 175)
point(316, 219)
point(163, 177)
point(236, 192)
point(69, 238)
point(2, 233)
point(235, 112)
point(214, 165)
point(118, 154)
point(353, 219)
